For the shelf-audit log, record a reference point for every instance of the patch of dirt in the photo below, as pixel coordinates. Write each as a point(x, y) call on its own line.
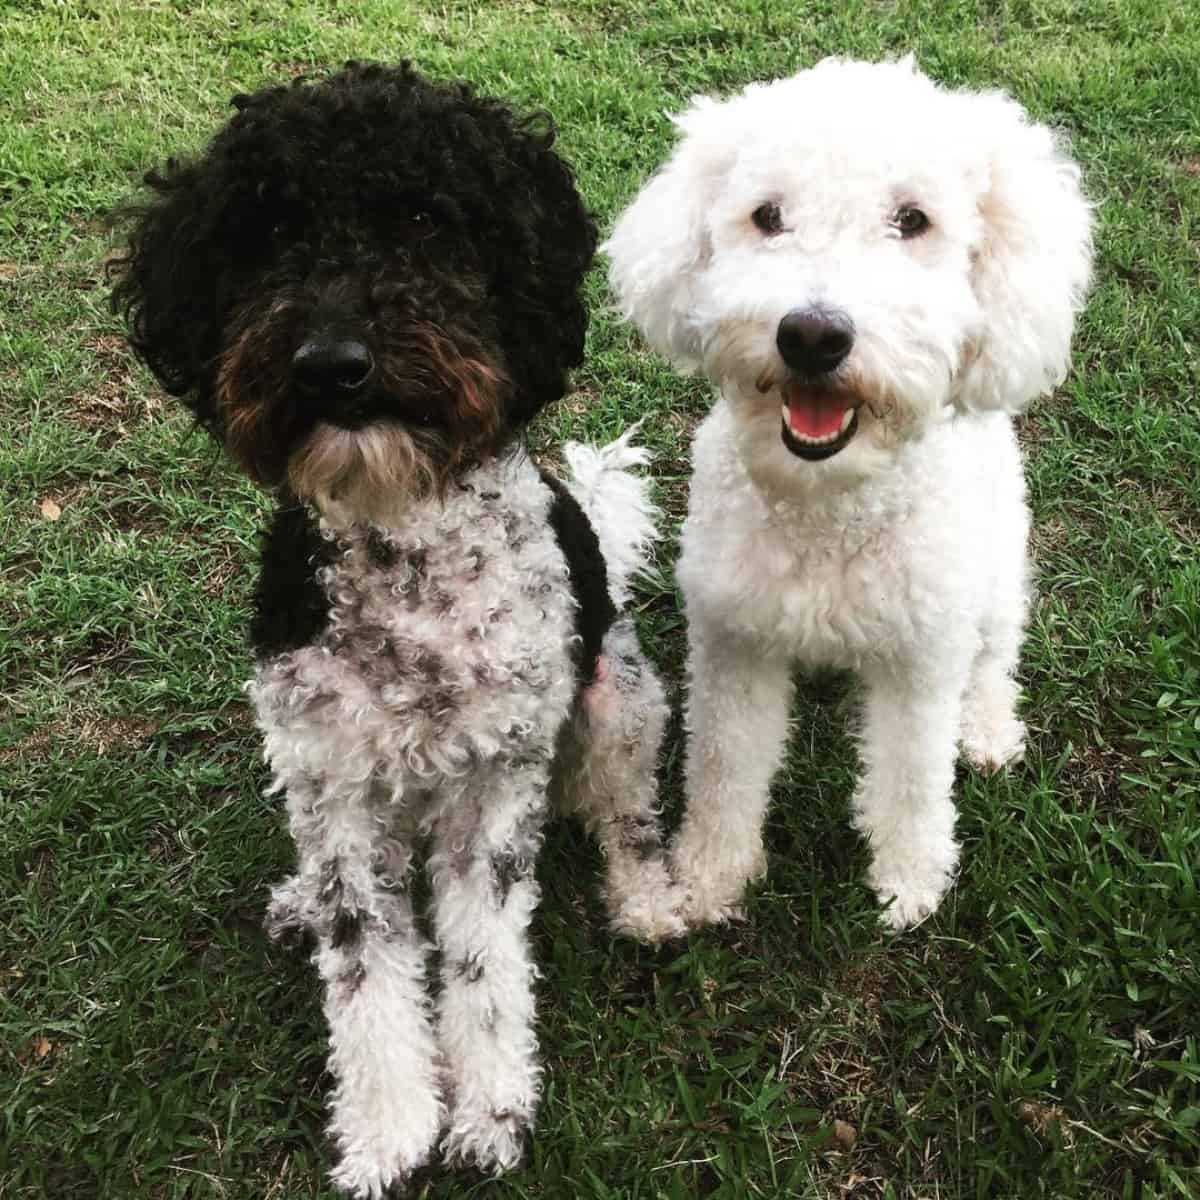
point(104, 651)
point(12, 271)
point(219, 578)
point(1094, 772)
point(53, 504)
point(234, 736)
point(1041, 1119)
point(19, 568)
point(37, 866)
point(136, 516)
point(1136, 277)
point(1047, 538)
point(843, 1069)
point(93, 498)
point(292, 70)
point(548, 456)
point(38, 1051)
point(115, 404)
point(836, 1071)
point(1177, 510)
point(82, 730)
point(90, 226)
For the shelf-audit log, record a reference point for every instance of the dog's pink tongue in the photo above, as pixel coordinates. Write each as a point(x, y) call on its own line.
point(814, 414)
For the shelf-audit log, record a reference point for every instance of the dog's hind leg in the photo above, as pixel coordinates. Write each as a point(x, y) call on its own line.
point(350, 892)
point(485, 844)
point(609, 755)
point(992, 735)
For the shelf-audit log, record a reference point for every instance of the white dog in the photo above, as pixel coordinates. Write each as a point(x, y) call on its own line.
point(895, 269)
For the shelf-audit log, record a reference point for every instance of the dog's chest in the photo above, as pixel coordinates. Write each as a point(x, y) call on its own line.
point(836, 600)
point(445, 640)
point(478, 597)
point(825, 591)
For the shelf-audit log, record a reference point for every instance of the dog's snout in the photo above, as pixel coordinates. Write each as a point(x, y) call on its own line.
point(814, 340)
point(332, 364)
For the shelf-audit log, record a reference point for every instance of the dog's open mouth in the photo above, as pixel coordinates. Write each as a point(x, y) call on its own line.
point(817, 423)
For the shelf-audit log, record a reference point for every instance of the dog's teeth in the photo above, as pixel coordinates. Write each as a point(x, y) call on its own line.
point(826, 438)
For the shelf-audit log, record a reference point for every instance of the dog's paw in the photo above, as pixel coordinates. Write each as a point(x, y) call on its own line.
point(991, 744)
point(365, 1176)
point(698, 912)
point(650, 920)
point(645, 904)
point(911, 886)
point(378, 1157)
point(715, 897)
point(712, 906)
point(490, 1139)
point(990, 735)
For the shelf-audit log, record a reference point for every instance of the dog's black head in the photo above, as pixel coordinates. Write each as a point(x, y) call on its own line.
point(363, 281)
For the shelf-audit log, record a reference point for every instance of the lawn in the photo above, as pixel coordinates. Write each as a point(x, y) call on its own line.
point(1040, 1037)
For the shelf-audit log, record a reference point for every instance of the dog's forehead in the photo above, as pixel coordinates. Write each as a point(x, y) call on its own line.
point(854, 125)
point(851, 97)
point(309, 147)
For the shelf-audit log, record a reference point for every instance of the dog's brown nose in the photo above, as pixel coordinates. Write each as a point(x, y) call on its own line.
point(814, 340)
point(332, 364)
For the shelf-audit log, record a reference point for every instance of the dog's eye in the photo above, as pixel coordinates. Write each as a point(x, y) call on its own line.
point(910, 221)
point(768, 218)
point(418, 225)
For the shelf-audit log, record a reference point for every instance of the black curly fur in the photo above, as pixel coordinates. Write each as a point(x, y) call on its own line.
point(595, 611)
point(290, 606)
point(372, 169)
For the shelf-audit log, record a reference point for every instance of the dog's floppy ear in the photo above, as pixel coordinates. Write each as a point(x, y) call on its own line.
point(544, 245)
point(167, 282)
point(1031, 272)
point(661, 239)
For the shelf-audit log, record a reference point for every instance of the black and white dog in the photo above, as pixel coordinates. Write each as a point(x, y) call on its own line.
point(364, 288)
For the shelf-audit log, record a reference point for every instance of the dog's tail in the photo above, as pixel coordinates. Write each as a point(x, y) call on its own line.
point(617, 504)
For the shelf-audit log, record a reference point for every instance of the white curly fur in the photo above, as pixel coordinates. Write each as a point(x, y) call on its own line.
point(902, 556)
point(618, 506)
point(441, 701)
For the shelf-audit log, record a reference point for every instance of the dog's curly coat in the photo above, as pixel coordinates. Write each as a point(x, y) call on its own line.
point(364, 287)
point(874, 272)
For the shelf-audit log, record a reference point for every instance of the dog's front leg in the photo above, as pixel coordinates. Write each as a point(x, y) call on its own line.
point(484, 893)
point(903, 801)
point(739, 696)
point(351, 893)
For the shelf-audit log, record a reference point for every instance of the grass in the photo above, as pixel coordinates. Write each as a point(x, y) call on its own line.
point(1039, 1038)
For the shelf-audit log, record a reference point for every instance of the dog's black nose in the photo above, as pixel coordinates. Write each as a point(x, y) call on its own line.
point(328, 364)
point(814, 340)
